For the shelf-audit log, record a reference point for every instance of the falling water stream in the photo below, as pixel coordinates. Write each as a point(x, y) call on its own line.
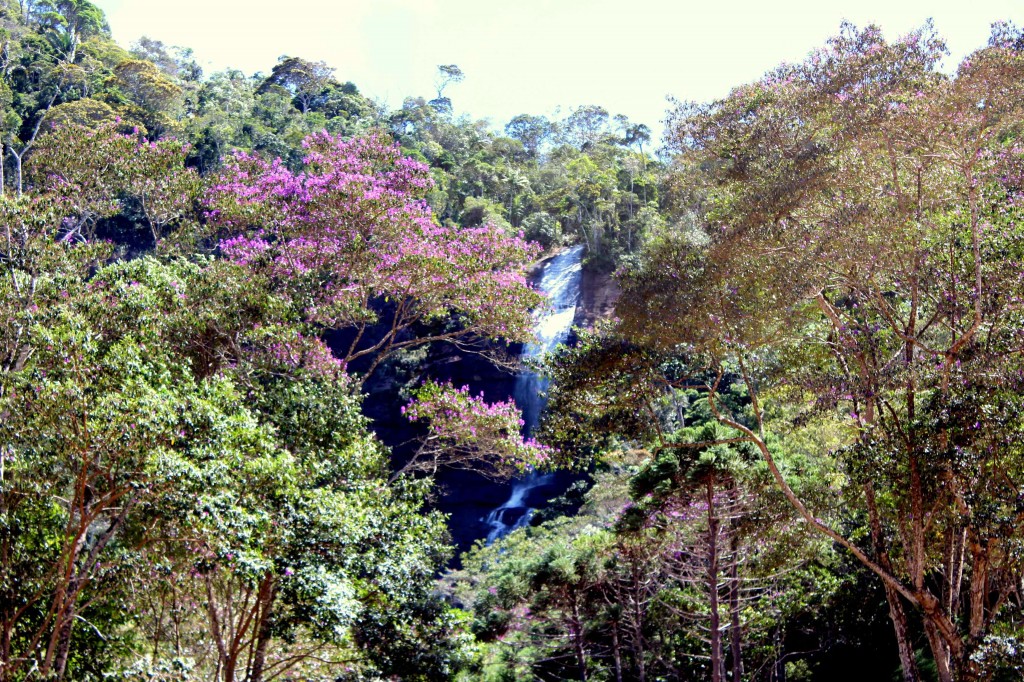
point(560, 282)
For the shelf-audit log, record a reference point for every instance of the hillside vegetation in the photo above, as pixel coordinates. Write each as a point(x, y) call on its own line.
point(800, 436)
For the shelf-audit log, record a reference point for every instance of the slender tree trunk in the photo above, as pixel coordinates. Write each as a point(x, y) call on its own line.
point(225, 658)
point(637, 616)
point(717, 656)
point(229, 668)
point(940, 652)
point(576, 633)
point(617, 651)
point(60, 662)
point(267, 594)
point(638, 648)
point(17, 170)
point(735, 630)
point(18, 156)
point(5, 650)
point(779, 667)
point(63, 606)
point(979, 589)
point(897, 614)
point(955, 568)
point(73, 39)
point(78, 577)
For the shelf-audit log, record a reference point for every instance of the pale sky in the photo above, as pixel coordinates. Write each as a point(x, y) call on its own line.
point(534, 56)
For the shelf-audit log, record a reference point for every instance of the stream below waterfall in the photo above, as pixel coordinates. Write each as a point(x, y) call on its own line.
point(560, 282)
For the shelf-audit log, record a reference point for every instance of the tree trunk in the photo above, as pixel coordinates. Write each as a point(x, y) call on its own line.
point(17, 170)
point(779, 667)
point(908, 664)
point(576, 633)
point(735, 631)
point(636, 570)
point(5, 651)
point(31, 141)
point(266, 600)
point(954, 568)
point(717, 657)
point(60, 661)
point(979, 589)
point(617, 652)
point(940, 652)
point(638, 649)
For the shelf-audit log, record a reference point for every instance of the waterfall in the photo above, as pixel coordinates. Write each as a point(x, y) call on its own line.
point(560, 282)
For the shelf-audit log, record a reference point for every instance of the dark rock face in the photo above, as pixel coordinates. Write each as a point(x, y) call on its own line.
point(599, 292)
point(466, 496)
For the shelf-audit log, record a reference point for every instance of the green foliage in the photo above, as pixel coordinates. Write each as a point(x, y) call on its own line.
point(819, 344)
point(543, 228)
point(103, 173)
point(843, 257)
point(188, 485)
point(85, 112)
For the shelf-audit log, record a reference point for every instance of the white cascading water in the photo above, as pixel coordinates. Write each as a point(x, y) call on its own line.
point(560, 282)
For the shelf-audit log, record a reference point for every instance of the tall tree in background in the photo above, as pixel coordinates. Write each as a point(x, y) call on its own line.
point(532, 131)
point(68, 23)
point(305, 80)
point(447, 74)
point(585, 126)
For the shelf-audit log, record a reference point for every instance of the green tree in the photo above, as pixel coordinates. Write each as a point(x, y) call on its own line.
point(95, 420)
point(305, 80)
point(447, 74)
point(68, 22)
point(151, 93)
point(532, 131)
point(103, 172)
point(851, 247)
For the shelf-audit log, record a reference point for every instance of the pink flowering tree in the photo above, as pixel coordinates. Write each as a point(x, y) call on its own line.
point(464, 431)
point(350, 243)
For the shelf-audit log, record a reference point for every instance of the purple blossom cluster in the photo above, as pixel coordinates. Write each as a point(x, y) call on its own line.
point(467, 421)
point(353, 227)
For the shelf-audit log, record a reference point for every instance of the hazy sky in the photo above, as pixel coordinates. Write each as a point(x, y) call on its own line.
point(533, 56)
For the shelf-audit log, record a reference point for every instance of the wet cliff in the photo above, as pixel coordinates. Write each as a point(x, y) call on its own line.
point(599, 293)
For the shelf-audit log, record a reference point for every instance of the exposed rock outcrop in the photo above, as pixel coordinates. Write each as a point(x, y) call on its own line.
point(598, 294)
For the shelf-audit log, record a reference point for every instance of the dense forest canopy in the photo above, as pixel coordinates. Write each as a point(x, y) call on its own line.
point(798, 438)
